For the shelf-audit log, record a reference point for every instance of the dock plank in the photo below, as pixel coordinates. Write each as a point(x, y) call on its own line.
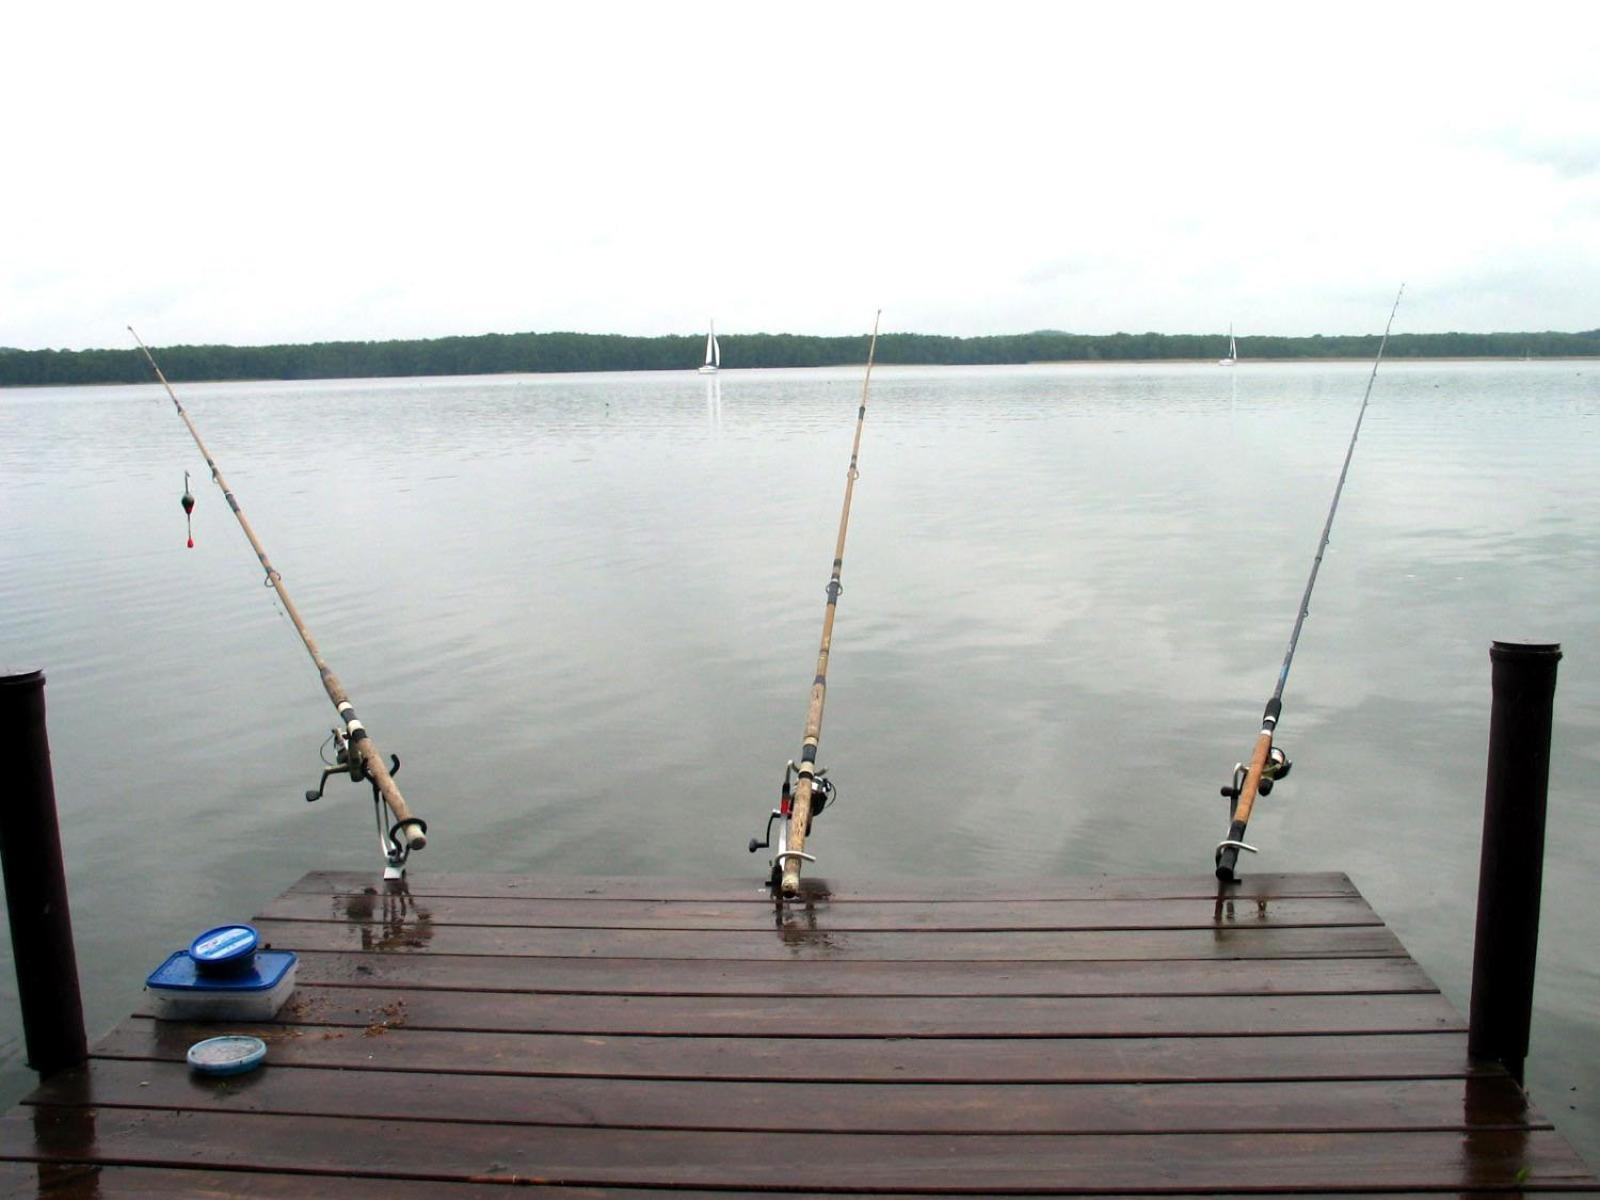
point(820, 942)
point(749, 888)
point(836, 1060)
point(619, 1039)
point(71, 1181)
point(670, 977)
point(63, 1180)
point(912, 1163)
point(1475, 1102)
point(881, 1017)
point(949, 917)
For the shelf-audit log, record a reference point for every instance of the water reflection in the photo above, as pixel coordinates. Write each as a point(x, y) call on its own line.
point(389, 918)
point(714, 404)
point(69, 1133)
point(801, 922)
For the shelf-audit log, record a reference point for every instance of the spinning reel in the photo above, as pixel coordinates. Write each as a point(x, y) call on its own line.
point(1276, 767)
point(348, 762)
point(822, 794)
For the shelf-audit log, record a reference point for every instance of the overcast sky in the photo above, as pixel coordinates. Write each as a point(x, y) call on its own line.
point(253, 173)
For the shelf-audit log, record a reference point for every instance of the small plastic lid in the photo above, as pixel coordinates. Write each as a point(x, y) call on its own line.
point(224, 949)
point(231, 1055)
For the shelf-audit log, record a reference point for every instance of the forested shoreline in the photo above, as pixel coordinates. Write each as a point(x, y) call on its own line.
point(498, 353)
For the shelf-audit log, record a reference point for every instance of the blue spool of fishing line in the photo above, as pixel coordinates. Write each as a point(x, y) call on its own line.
point(225, 950)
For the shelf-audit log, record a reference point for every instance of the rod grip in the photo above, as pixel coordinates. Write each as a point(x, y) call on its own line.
point(799, 819)
point(412, 837)
point(1228, 856)
point(378, 771)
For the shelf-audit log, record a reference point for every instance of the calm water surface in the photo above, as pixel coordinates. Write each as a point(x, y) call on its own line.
point(565, 601)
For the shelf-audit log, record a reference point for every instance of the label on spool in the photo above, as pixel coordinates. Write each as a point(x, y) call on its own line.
point(225, 948)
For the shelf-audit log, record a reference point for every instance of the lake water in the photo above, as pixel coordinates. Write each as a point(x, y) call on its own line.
point(565, 601)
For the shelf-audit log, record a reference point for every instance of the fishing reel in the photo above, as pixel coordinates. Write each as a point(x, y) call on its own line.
point(345, 762)
point(1276, 767)
point(823, 793)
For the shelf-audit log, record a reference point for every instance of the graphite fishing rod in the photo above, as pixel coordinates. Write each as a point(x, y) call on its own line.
point(355, 751)
point(1268, 762)
point(806, 790)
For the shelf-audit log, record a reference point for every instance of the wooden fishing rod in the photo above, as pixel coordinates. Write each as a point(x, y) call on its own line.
point(805, 789)
point(356, 751)
point(1268, 762)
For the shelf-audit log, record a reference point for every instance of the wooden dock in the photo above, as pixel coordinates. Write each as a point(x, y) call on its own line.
point(610, 1038)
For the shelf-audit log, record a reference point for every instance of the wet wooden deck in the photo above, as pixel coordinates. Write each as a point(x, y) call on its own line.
point(610, 1038)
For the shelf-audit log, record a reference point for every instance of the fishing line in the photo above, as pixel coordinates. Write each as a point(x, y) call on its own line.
point(357, 754)
point(1269, 762)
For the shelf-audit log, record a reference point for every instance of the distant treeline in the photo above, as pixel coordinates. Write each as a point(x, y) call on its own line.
point(499, 353)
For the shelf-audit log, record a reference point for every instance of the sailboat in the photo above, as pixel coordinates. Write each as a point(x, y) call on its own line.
point(713, 352)
point(1233, 351)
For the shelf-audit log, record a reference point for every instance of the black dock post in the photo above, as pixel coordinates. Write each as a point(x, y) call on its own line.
point(1511, 870)
point(36, 883)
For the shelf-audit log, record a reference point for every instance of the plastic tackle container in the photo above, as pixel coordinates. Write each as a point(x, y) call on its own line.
point(180, 992)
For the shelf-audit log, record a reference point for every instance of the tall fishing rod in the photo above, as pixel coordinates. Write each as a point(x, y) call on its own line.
point(1268, 762)
point(806, 789)
point(355, 751)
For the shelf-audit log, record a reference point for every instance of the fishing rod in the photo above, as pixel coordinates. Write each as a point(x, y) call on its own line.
point(806, 788)
point(355, 752)
point(1268, 762)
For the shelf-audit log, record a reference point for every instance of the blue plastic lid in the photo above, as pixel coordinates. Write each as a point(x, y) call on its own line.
point(231, 1055)
point(180, 973)
point(225, 949)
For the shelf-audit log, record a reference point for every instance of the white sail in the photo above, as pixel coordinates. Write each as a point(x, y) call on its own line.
point(1233, 351)
point(713, 352)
